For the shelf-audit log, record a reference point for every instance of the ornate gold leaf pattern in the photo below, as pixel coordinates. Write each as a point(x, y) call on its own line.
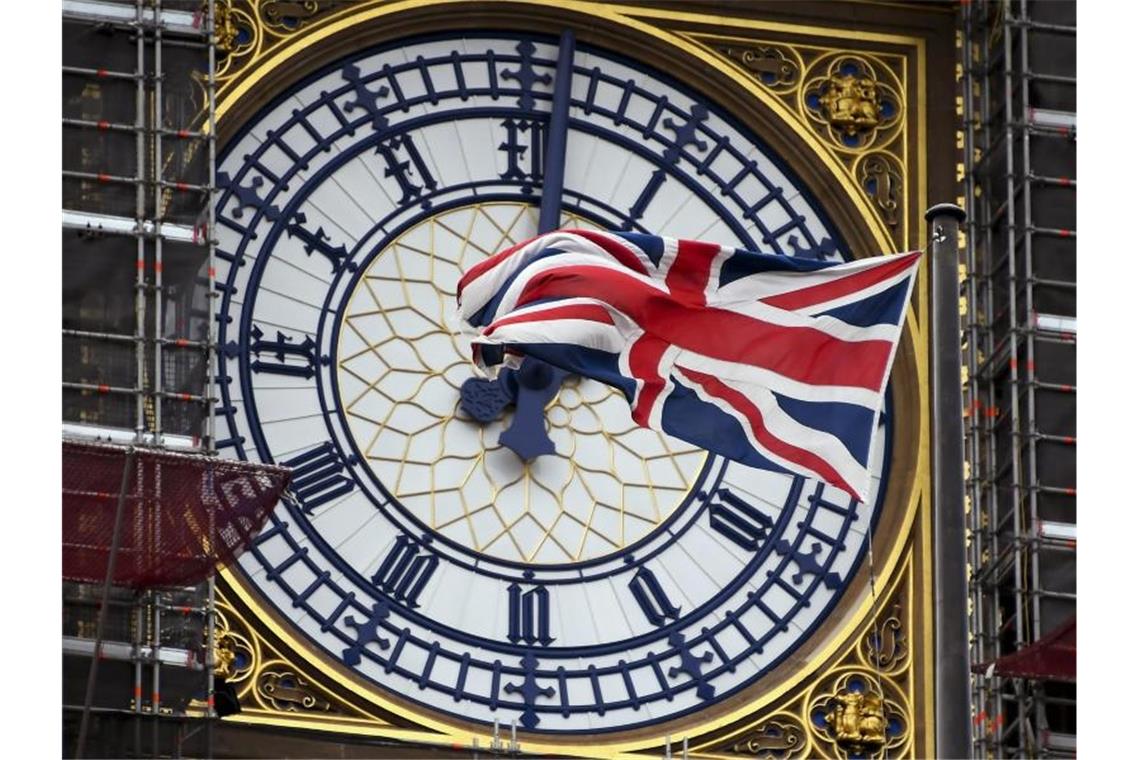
point(775, 739)
point(777, 67)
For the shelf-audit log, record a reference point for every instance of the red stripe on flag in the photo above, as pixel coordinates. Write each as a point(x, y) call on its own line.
point(781, 448)
point(614, 247)
point(588, 312)
point(689, 273)
point(645, 365)
point(844, 286)
point(804, 354)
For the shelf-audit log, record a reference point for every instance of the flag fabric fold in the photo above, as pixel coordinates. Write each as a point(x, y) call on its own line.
point(777, 362)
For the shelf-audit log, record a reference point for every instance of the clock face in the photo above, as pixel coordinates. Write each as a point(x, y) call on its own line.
point(621, 579)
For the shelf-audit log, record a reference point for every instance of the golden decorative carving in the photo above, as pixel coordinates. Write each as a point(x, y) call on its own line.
point(851, 103)
point(856, 97)
point(235, 654)
point(854, 100)
point(774, 66)
point(885, 645)
point(859, 713)
point(285, 690)
point(773, 739)
point(881, 177)
point(858, 721)
point(289, 15)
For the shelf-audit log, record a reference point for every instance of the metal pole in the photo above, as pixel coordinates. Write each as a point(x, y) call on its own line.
point(952, 679)
point(93, 671)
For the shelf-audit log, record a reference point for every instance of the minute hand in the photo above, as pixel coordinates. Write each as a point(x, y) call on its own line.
point(554, 169)
point(537, 382)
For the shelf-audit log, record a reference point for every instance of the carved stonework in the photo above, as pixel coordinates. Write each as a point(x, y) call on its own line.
point(285, 690)
point(775, 739)
point(774, 66)
point(856, 97)
point(290, 15)
point(235, 653)
point(268, 683)
point(885, 646)
point(249, 30)
point(881, 176)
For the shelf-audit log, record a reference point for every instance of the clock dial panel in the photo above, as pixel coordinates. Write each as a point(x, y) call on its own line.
point(624, 579)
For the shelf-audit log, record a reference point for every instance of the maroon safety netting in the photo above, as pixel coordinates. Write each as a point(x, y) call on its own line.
point(1053, 657)
point(183, 515)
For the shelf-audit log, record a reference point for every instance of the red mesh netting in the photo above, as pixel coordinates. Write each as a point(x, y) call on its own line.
point(183, 515)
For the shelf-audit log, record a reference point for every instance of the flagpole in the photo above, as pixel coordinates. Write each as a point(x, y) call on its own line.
point(952, 669)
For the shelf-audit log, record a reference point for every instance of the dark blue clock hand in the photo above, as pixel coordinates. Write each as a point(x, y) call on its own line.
point(533, 385)
point(554, 171)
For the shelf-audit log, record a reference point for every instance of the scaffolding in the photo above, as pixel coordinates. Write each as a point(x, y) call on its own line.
point(138, 334)
point(1019, 341)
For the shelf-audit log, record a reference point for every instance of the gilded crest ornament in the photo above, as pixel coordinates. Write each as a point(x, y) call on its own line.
point(881, 177)
point(858, 721)
point(861, 716)
point(856, 98)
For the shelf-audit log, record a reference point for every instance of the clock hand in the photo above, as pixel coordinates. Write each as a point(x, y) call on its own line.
point(532, 386)
point(537, 381)
point(554, 170)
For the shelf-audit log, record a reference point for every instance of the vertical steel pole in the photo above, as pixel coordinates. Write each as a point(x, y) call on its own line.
point(96, 655)
point(140, 220)
point(1016, 435)
point(157, 172)
point(952, 679)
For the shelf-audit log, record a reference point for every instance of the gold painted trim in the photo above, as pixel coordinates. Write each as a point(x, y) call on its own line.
point(637, 18)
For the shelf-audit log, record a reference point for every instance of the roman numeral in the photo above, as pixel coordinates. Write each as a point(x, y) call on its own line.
point(280, 348)
point(402, 170)
point(405, 572)
point(318, 477)
point(318, 241)
point(651, 598)
point(737, 520)
point(515, 149)
point(529, 613)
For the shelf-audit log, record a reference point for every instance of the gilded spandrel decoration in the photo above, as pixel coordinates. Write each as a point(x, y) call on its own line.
point(280, 686)
point(266, 682)
point(881, 176)
point(775, 739)
point(885, 646)
point(249, 30)
point(235, 649)
point(774, 66)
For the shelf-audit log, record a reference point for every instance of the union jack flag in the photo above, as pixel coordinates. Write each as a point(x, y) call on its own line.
point(777, 362)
